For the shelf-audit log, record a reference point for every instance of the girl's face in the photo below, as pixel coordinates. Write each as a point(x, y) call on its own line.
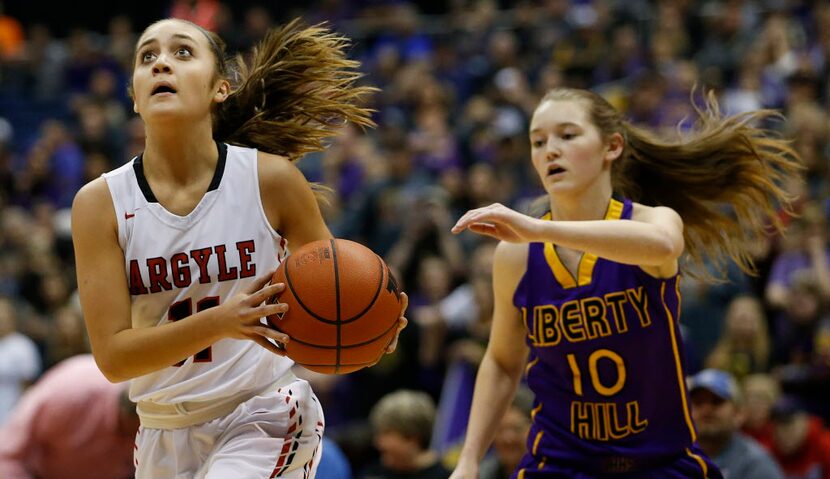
point(567, 150)
point(175, 73)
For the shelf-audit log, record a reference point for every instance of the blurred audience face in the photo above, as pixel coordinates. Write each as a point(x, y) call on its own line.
point(790, 432)
point(509, 442)
point(434, 278)
point(482, 183)
point(397, 452)
point(716, 418)
point(760, 393)
point(744, 319)
point(803, 303)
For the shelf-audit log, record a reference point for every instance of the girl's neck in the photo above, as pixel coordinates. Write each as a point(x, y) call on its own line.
point(591, 204)
point(179, 154)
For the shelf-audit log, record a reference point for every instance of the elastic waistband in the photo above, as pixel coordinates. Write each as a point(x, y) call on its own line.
point(622, 464)
point(191, 413)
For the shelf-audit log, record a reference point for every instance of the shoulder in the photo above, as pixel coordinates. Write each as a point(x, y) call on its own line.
point(93, 196)
point(509, 264)
point(276, 170)
point(510, 255)
point(93, 211)
point(750, 450)
point(641, 212)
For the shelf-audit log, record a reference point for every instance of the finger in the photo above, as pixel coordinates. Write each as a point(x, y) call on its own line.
point(268, 332)
point(267, 293)
point(405, 300)
point(394, 344)
point(465, 218)
point(477, 216)
point(485, 229)
point(268, 345)
point(259, 283)
point(270, 309)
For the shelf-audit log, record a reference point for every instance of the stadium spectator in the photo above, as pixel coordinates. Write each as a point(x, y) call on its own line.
point(333, 463)
point(74, 424)
point(19, 359)
point(402, 423)
point(509, 444)
point(801, 442)
point(744, 346)
point(717, 413)
point(760, 392)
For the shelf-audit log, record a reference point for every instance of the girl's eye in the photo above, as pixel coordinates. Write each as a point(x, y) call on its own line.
point(147, 56)
point(183, 52)
point(537, 143)
point(568, 136)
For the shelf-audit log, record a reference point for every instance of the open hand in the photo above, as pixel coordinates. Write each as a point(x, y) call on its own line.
point(500, 222)
point(243, 311)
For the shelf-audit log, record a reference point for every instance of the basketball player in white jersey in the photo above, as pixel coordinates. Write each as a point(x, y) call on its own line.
point(176, 248)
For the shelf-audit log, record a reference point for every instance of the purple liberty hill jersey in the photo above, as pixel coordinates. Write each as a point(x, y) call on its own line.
point(606, 363)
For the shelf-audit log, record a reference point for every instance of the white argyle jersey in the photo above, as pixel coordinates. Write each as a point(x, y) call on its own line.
point(180, 265)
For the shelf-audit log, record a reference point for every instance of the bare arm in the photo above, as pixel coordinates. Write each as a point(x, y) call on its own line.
point(121, 351)
point(654, 237)
point(503, 363)
point(289, 202)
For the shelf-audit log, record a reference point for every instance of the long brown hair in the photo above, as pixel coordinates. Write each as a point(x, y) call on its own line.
point(726, 179)
point(298, 90)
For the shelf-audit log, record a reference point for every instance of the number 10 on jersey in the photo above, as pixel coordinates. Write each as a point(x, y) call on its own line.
point(603, 421)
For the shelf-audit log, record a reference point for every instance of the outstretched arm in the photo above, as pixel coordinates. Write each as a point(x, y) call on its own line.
point(654, 237)
point(503, 363)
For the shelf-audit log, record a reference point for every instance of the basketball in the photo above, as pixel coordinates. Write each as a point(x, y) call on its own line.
point(343, 306)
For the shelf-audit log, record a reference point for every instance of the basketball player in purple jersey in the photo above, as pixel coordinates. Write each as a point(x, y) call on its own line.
point(587, 296)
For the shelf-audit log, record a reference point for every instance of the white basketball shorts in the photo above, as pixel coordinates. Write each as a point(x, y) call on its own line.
point(277, 433)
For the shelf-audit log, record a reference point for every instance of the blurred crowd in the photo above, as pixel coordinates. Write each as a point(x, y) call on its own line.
point(456, 92)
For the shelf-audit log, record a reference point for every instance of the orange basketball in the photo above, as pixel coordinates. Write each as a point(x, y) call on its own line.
point(343, 306)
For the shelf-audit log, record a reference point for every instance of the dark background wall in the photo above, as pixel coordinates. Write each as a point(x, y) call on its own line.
point(62, 15)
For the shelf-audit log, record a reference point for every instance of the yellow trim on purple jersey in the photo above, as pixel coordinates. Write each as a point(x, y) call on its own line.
point(700, 461)
point(585, 269)
point(677, 360)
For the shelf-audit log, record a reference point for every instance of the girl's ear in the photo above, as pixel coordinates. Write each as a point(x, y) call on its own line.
point(222, 91)
point(131, 93)
point(614, 147)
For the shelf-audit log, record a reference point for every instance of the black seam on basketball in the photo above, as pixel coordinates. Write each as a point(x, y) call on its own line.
point(340, 346)
point(329, 365)
point(374, 298)
point(329, 321)
point(336, 301)
point(299, 301)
